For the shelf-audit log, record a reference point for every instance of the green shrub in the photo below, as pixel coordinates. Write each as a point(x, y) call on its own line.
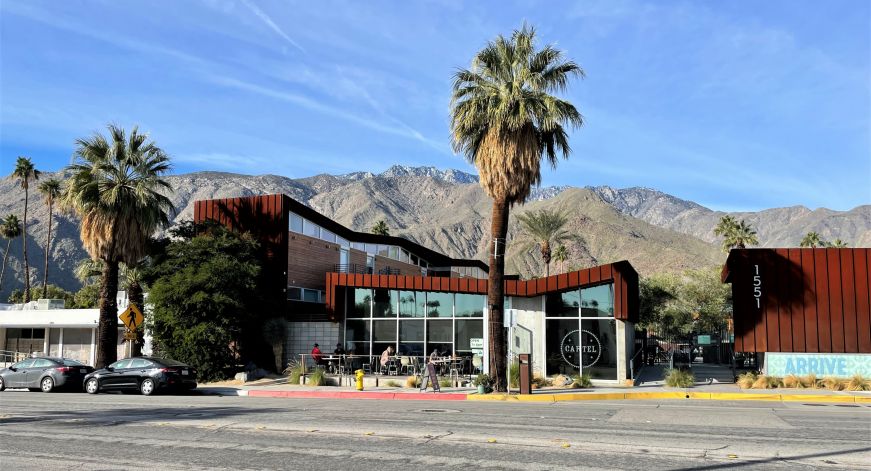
point(514, 375)
point(446, 383)
point(482, 379)
point(582, 381)
point(858, 383)
point(677, 378)
point(294, 372)
point(318, 377)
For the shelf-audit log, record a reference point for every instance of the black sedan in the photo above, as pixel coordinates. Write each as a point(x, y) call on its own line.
point(145, 374)
point(44, 373)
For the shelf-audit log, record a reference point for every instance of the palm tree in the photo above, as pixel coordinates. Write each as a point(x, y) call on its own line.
point(837, 244)
point(50, 190)
point(812, 239)
point(736, 234)
point(115, 189)
point(560, 255)
point(25, 172)
point(505, 120)
point(10, 228)
point(544, 228)
point(380, 228)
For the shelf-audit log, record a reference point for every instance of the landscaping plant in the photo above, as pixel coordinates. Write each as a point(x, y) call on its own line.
point(412, 382)
point(833, 384)
point(858, 383)
point(582, 381)
point(677, 378)
point(746, 380)
point(318, 377)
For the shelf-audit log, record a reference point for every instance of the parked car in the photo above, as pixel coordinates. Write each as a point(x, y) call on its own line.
point(44, 373)
point(145, 374)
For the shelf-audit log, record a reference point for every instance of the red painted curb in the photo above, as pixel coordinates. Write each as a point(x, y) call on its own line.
point(360, 395)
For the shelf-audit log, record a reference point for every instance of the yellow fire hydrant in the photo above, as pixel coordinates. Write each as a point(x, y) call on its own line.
point(359, 374)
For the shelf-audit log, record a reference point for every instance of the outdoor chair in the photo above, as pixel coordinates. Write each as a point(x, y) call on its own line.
point(477, 363)
point(405, 364)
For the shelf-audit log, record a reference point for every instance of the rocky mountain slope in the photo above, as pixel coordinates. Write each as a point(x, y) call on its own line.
point(447, 210)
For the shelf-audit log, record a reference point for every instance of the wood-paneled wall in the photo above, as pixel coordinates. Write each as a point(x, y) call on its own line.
point(809, 300)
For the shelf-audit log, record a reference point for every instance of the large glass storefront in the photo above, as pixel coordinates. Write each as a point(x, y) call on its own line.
point(413, 322)
point(580, 332)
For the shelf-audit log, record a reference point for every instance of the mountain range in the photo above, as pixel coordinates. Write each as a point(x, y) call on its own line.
point(446, 210)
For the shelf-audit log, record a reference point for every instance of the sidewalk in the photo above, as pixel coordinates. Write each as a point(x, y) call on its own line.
point(716, 391)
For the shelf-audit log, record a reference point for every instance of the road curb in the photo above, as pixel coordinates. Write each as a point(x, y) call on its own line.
point(360, 395)
point(669, 395)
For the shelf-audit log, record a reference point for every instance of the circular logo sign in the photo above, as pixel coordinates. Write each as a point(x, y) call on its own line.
point(581, 348)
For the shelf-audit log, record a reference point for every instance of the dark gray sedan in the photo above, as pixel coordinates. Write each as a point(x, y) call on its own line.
point(44, 374)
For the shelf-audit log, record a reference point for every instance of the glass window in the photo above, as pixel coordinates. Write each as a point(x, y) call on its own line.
point(294, 293)
point(342, 241)
point(384, 250)
point(358, 246)
point(311, 229)
point(598, 340)
point(404, 256)
point(439, 331)
point(384, 331)
point(141, 363)
point(411, 331)
point(23, 364)
point(54, 343)
point(394, 252)
point(383, 306)
point(77, 344)
point(439, 304)
point(562, 346)
point(359, 302)
point(563, 304)
point(372, 249)
point(409, 305)
point(357, 331)
point(42, 363)
point(411, 349)
point(414, 259)
point(295, 223)
point(311, 295)
point(598, 301)
point(69, 362)
point(328, 236)
point(469, 305)
point(120, 364)
point(468, 329)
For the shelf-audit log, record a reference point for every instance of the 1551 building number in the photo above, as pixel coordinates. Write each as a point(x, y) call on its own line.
point(757, 287)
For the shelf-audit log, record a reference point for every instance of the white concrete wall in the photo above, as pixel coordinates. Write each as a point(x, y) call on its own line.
point(301, 336)
point(530, 315)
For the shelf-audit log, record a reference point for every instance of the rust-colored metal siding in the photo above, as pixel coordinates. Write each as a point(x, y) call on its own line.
point(624, 277)
point(812, 301)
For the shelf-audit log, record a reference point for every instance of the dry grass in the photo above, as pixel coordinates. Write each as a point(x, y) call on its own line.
point(810, 381)
point(858, 383)
point(393, 384)
point(412, 382)
point(676, 378)
point(833, 384)
point(746, 380)
point(767, 382)
point(792, 381)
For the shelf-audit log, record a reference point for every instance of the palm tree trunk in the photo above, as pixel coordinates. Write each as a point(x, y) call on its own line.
point(107, 332)
point(47, 250)
point(5, 254)
point(495, 295)
point(26, 265)
point(136, 298)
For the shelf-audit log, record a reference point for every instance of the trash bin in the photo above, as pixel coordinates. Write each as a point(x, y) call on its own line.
point(525, 373)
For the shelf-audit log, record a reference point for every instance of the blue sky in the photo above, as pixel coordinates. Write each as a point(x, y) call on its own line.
point(735, 105)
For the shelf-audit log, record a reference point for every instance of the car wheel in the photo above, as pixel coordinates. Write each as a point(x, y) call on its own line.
point(2, 384)
point(92, 386)
point(47, 384)
point(146, 387)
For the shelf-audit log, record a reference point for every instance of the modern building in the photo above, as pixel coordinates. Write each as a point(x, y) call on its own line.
point(803, 310)
point(369, 291)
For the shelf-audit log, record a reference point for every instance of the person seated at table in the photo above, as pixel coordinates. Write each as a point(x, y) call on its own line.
point(339, 350)
point(317, 355)
point(385, 357)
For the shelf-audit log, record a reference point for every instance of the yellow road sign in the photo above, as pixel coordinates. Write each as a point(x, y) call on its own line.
point(132, 317)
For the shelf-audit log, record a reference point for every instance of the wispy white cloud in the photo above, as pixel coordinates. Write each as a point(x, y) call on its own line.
point(267, 20)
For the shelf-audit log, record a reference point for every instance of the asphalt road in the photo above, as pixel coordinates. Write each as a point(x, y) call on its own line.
point(113, 431)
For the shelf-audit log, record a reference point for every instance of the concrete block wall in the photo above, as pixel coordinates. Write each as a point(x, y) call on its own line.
point(301, 336)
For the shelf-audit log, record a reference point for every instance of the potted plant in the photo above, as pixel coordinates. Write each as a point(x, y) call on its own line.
point(483, 382)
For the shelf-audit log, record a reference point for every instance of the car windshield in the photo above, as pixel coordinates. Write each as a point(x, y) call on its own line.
point(68, 362)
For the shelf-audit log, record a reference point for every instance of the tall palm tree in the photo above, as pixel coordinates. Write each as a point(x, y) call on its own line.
point(725, 226)
point(544, 228)
point(50, 190)
point(736, 234)
point(10, 228)
point(25, 173)
point(812, 239)
point(560, 255)
point(116, 190)
point(505, 119)
point(380, 228)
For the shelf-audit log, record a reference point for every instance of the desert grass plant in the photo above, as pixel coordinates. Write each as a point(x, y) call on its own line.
point(412, 382)
point(539, 381)
point(393, 384)
point(677, 378)
point(514, 375)
point(810, 381)
point(767, 382)
point(792, 381)
point(746, 380)
point(318, 377)
point(858, 383)
point(446, 383)
point(832, 383)
point(582, 381)
point(294, 373)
